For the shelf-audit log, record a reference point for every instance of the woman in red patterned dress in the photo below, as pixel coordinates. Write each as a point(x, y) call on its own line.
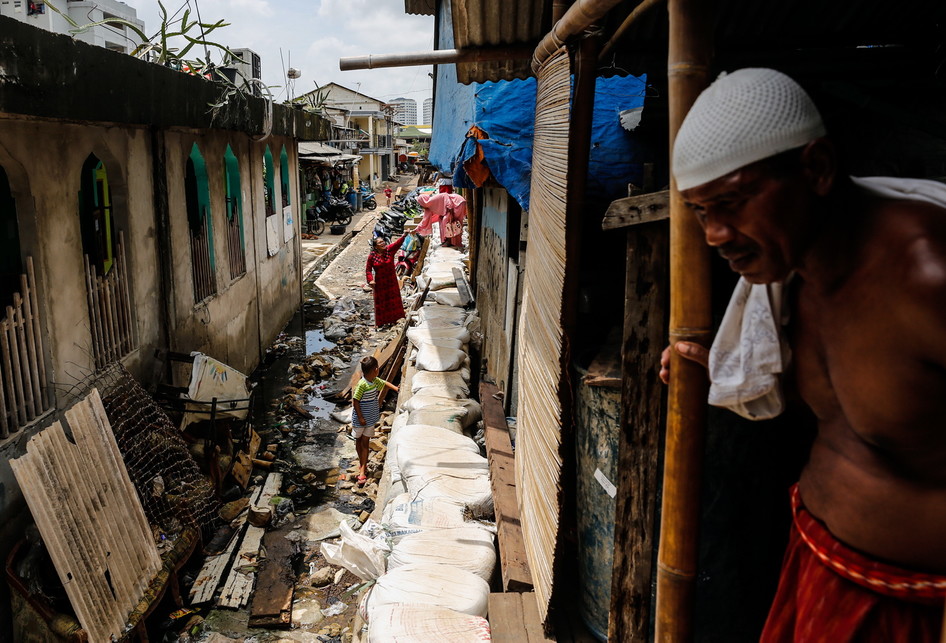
point(388, 307)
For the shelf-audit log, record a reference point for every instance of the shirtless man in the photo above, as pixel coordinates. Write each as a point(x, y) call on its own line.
point(867, 333)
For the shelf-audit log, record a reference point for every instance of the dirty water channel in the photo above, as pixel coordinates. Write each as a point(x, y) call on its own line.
point(315, 455)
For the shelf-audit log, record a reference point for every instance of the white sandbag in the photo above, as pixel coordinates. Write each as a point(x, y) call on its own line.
point(439, 311)
point(444, 412)
point(438, 358)
point(418, 335)
point(423, 623)
point(424, 437)
point(446, 379)
point(440, 322)
point(447, 297)
point(390, 460)
point(447, 419)
point(404, 515)
point(412, 457)
point(429, 584)
point(468, 487)
point(469, 548)
point(443, 342)
point(445, 253)
point(431, 396)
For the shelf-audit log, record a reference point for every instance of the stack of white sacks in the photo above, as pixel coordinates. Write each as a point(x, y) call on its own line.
point(438, 517)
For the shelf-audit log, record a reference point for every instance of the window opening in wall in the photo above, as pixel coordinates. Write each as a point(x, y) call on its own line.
point(106, 280)
point(24, 394)
point(197, 198)
point(11, 263)
point(269, 182)
point(284, 175)
point(95, 215)
point(235, 241)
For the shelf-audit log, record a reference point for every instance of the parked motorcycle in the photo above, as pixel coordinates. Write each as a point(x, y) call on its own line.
point(368, 200)
point(407, 256)
point(336, 211)
point(390, 224)
point(314, 223)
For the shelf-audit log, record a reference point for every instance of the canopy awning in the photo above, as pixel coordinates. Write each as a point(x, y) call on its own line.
point(319, 149)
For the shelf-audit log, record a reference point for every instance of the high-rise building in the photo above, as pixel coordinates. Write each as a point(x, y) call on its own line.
point(116, 37)
point(405, 110)
point(428, 111)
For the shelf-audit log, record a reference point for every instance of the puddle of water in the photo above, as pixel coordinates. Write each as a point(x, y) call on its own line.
point(315, 341)
point(319, 408)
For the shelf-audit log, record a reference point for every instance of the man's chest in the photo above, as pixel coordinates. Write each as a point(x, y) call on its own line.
point(853, 363)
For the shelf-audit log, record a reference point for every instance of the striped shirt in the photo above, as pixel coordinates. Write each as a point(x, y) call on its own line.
point(367, 395)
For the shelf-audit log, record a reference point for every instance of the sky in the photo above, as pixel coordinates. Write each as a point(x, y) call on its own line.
point(312, 35)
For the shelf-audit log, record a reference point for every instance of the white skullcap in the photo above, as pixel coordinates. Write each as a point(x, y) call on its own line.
point(743, 117)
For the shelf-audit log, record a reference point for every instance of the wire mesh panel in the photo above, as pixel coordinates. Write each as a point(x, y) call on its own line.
point(538, 475)
point(172, 489)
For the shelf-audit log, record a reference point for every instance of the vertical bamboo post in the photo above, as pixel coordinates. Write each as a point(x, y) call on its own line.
point(20, 331)
point(25, 287)
point(688, 68)
point(38, 335)
point(16, 370)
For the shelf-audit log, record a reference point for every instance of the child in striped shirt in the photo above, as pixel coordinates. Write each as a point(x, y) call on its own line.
point(366, 400)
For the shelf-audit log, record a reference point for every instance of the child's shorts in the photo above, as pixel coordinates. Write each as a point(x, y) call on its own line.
point(358, 431)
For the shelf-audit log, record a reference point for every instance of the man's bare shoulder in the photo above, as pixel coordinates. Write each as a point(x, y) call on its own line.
point(910, 252)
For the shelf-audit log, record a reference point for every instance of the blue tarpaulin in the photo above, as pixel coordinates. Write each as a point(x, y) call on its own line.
point(505, 110)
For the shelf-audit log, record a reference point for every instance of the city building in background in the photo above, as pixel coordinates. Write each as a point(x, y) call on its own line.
point(428, 111)
point(405, 110)
point(115, 37)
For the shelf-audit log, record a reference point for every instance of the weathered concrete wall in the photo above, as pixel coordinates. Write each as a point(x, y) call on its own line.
point(497, 280)
point(246, 313)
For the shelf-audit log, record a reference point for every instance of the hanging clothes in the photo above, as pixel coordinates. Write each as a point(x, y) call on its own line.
point(388, 306)
point(447, 210)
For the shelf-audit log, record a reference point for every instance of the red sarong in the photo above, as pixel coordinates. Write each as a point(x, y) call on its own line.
point(388, 305)
point(830, 592)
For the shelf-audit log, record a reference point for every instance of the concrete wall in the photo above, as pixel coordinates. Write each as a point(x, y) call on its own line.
point(236, 323)
point(498, 286)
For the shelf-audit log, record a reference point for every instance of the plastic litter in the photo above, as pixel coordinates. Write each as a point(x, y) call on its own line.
point(360, 554)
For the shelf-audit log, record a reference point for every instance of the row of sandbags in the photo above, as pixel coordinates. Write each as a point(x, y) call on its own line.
point(438, 518)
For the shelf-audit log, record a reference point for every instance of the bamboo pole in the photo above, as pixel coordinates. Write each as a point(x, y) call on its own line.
point(15, 371)
point(97, 347)
point(38, 405)
point(27, 383)
point(38, 335)
point(688, 68)
point(7, 367)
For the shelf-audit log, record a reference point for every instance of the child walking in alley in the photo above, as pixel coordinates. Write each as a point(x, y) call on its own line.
point(366, 400)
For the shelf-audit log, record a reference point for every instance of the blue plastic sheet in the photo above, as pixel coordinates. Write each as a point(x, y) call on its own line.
point(506, 111)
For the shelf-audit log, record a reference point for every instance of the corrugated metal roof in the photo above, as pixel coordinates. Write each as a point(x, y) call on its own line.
point(421, 7)
point(744, 27)
point(495, 23)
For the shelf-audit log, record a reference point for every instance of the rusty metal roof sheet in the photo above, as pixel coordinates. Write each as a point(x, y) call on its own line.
point(421, 7)
point(496, 23)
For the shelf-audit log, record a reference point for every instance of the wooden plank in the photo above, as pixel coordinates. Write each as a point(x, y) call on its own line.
point(242, 469)
point(505, 618)
point(40, 404)
point(634, 210)
point(211, 574)
point(514, 565)
point(514, 618)
point(15, 361)
point(38, 333)
point(535, 632)
point(236, 591)
point(642, 423)
point(272, 598)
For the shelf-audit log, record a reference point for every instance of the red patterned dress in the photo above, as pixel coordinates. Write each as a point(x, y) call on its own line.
point(388, 307)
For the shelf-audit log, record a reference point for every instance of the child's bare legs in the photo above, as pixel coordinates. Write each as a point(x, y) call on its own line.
point(361, 448)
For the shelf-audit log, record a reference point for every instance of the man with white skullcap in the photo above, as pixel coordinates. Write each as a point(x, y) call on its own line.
point(859, 333)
